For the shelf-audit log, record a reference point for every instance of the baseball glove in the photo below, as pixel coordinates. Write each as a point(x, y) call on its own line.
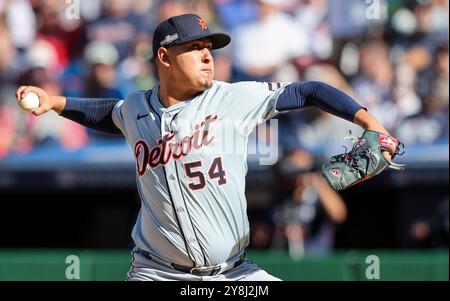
point(363, 162)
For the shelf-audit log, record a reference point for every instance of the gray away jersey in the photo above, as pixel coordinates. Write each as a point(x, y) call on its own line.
point(191, 167)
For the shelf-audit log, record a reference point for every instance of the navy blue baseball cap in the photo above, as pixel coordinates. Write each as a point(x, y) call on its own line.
point(186, 28)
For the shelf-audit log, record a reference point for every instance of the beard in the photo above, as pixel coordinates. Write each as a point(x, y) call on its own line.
point(207, 83)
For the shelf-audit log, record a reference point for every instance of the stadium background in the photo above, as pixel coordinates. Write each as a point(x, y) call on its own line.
point(65, 190)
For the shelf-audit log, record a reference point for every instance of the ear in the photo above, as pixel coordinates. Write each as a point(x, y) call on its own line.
point(163, 56)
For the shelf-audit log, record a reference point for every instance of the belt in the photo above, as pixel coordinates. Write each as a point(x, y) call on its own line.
point(200, 271)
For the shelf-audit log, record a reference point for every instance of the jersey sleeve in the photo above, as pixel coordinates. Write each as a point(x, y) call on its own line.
point(117, 115)
point(251, 103)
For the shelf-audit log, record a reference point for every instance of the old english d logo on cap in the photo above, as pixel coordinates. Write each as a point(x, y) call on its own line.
point(202, 23)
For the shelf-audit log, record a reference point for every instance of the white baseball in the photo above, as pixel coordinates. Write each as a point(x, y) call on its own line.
point(30, 102)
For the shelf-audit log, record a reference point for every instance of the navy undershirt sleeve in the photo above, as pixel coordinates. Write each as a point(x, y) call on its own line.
point(94, 113)
point(318, 94)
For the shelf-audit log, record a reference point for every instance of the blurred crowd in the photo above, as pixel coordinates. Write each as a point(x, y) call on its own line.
point(390, 55)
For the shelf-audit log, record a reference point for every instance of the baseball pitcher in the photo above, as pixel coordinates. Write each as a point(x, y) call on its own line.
point(193, 222)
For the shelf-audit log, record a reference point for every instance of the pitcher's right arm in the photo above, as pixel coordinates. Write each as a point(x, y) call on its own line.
point(95, 113)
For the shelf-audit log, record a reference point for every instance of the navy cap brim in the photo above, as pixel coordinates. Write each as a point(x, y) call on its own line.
point(220, 40)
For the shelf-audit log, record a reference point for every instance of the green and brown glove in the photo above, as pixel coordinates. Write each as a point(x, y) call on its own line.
point(363, 162)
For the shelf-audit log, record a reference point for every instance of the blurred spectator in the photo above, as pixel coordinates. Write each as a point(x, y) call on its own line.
point(261, 47)
point(144, 8)
point(42, 54)
point(66, 35)
point(261, 232)
point(119, 25)
point(316, 130)
point(405, 96)
point(432, 231)
point(21, 22)
point(90, 10)
point(305, 220)
point(169, 8)
point(233, 13)
point(8, 109)
point(373, 85)
point(51, 130)
point(135, 72)
point(433, 118)
point(440, 83)
point(7, 128)
point(350, 19)
point(312, 16)
point(101, 78)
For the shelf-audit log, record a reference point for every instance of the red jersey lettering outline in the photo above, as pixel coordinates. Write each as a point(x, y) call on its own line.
point(167, 148)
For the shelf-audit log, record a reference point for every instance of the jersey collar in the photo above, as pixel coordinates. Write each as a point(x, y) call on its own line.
point(156, 103)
